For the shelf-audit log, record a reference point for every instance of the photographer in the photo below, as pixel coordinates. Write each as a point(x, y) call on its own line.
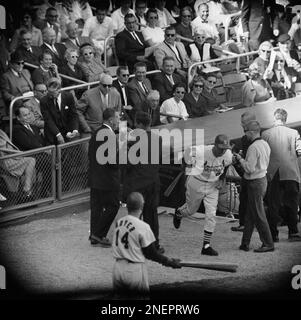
point(46, 70)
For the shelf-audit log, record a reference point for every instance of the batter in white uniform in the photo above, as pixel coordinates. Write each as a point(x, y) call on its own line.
point(133, 242)
point(206, 174)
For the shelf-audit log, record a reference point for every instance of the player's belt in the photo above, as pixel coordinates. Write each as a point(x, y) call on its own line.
point(129, 261)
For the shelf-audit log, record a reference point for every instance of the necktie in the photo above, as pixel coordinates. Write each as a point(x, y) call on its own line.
point(144, 88)
point(54, 50)
point(28, 127)
point(77, 42)
point(205, 21)
point(171, 79)
point(57, 104)
point(136, 37)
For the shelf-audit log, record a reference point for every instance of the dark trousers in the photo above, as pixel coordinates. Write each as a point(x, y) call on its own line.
point(286, 193)
point(104, 208)
point(243, 200)
point(255, 214)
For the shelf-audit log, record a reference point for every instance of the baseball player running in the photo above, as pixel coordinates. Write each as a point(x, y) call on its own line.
point(133, 241)
point(203, 183)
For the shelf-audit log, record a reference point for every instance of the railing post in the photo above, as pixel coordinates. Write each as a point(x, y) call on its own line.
point(58, 165)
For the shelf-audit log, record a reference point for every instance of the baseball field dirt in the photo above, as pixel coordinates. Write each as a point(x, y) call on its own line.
point(50, 256)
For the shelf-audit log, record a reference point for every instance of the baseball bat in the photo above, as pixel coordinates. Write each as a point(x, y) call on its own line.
point(220, 266)
point(170, 188)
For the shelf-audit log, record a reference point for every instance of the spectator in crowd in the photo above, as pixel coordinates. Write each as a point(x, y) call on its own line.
point(130, 45)
point(72, 69)
point(256, 89)
point(104, 182)
point(47, 69)
point(29, 52)
point(171, 47)
point(256, 22)
point(144, 177)
point(165, 18)
point(281, 22)
point(99, 27)
point(152, 34)
point(140, 10)
point(119, 15)
point(59, 113)
point(26, 24)
point(282, 82)
point(174, 108)
point(51, 21)
point(184, 28)
point(263, 60)
point(57, 49)
point(166, 79)
point(283, 175)
point(255, 166)
point(241, 146)
point(139, 87)
point(194, 101)
point(90, 63)
point(93, 103)
point(17, 80)
point(121, 84)
point(33, 105)
point(19, 166)
point(4, 54)
point(295, 30)
point(298, 52)
point(152, 107)
point(209, 91)
point(74, 40)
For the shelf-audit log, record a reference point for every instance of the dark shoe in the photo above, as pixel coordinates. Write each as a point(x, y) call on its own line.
point(103, 242)
point(177, 219)
point(264, 249)
point(160, 249)
point(239, 228)
point(209, 251)
point(294, 237)
point(244, 247)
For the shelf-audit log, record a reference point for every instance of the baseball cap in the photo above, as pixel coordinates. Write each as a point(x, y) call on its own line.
point(222, 142)
point(283, 38)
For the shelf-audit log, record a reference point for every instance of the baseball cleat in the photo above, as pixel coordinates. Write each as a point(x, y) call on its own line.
point(209, 251)
point(177, 219)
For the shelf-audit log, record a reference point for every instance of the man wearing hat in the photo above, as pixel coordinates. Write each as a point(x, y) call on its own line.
point(205, 169)
point(17, 80)
point(255, 166)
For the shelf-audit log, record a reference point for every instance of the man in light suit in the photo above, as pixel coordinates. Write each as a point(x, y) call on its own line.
point(17, 80)
point(59, 113)
point(91, 105)
point(74, 41)
point(283, 174)
point(139, 87)
point(164, 81)
point(172, 48)
point(130, 45)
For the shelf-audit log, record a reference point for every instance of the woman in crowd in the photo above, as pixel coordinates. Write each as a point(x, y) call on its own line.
point(174, 105)
point(209, 92)
point(196, 103)
point(184, 29)
point(91, 64)
point(46, 70)
point(152, 34)
point(256, 89)
point(26, 24)
point(72, 69)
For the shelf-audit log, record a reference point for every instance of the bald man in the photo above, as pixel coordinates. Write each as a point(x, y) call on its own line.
point(93, 102)
point(74, 40)
point(241, 146)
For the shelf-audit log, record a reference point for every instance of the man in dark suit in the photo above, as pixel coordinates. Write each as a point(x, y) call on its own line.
point(104, 179)
point(164, 81)
point(256, 21)
point(50, 21)
point(139, 87)
point(144, 178)
point(29, 53)
point(74, 41)
point(130, 45)
point(57, 49)
point(59, 113)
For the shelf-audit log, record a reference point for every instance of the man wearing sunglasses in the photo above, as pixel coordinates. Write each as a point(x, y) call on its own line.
point(263, 60)
point(17, 80)
point(93, 102)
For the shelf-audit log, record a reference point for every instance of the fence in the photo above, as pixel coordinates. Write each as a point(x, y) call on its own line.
point(59, 172)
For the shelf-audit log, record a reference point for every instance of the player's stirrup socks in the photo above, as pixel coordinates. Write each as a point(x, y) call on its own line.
point(207, 238)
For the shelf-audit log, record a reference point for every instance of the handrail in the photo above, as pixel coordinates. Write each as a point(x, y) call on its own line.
point(63, 89)
point(227, 24)
point(27, 153)
point(216, 60)
point(105, 50)
point(60, 74)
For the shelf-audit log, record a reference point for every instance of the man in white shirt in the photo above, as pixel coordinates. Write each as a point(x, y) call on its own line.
point(99, 27)
point(119, 14)
point(206, 174)
point(255, 167)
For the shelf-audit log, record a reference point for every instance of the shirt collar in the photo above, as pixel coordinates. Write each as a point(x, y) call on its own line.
point(15, 72)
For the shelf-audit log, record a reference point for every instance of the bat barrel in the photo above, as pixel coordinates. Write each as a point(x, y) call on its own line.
point(219, 266)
